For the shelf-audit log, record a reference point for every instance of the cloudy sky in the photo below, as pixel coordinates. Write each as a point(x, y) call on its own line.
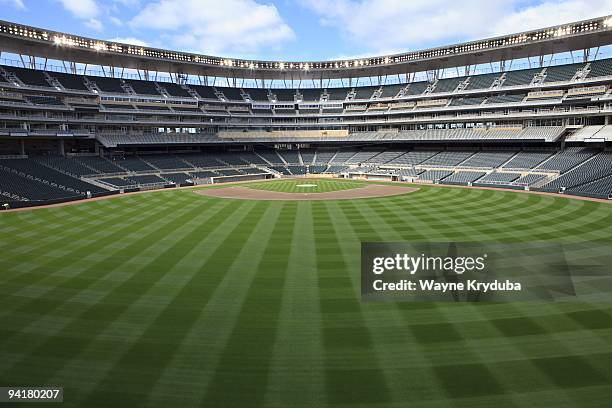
point(297, 29)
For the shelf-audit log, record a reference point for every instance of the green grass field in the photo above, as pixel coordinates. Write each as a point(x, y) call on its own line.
point(306, 185)
point(173, 299)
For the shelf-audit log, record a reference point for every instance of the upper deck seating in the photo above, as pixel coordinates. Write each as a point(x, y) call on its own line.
point(205, 92)
point(70, 81)
point(520, 77)
point(417, 88)
point(143, 87)
point(31, 77)
point(109, 85)
point(337, 94)
point(284, 95)
point(232, 94)
point(527, 160)
point(483, 81)
point(175, 89)
point(257, 94)
point(448, 84)
point(365, 92)
point(562, 72)
point(311, 95)
point(391, 91)
point(600, 68)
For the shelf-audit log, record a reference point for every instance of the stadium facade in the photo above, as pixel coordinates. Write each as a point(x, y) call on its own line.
point(155, 118)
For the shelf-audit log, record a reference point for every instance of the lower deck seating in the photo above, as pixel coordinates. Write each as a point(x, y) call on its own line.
point(576, 170)
point(434, 175)
point(463, 177)
point(496, 177)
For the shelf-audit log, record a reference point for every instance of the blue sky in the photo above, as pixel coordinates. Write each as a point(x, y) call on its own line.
point(297, 29)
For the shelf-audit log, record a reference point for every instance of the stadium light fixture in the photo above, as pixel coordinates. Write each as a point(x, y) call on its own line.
point(100, 46)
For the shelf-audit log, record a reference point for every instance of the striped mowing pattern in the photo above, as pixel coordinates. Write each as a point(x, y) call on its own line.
point(175, 299)
point(292, 186)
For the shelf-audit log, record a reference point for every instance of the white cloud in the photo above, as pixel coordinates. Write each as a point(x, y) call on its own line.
point(405, 25)
point(128, 3)
point(94, 24)
point(15, 3)
point(550, 13)
point(116, 21)
point(83, 9)
point(129, 40)
point(221, 27)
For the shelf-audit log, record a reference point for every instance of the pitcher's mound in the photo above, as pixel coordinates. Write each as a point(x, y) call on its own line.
point(368, 191)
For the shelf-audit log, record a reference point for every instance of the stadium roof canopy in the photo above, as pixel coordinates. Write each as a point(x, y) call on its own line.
point(38, 42)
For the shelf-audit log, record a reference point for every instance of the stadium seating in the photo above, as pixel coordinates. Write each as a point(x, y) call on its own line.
point(108, 85)
point(448, 85)
point(416, 88)
point(527, 160)
point(205, 92)
point(365, 92)
point(132, 163)
point(412, 158)
point(483, 81)
point(30, 77)
point(599, 166)
point(391, 91)
point(463, 177)
point(496, 177)
point(506, 98)
point(529, 179)
point(177, 178)
point(310, 95)
point(567, 159)
point(34, 171)
point(522, 77)
point(483, 126)
point(324, 156)
point(64, 165)
point(448, 158)
point(434, 175)
point(467, 101)
point(562, 72)
point(270, 156)
point(337, 94)
point(175, 90)
point(68, 81)
point(143, 87)
point(601, 188)
point(257, 94)
point(232, 94)
point(342, 156)
point(600, 68)
point(488, 159)
point(284, 95)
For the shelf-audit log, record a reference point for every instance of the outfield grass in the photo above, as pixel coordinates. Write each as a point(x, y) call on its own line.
point(306, 185)
point(173, 299)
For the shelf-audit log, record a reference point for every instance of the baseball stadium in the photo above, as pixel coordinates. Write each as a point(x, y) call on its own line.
point(181, 229)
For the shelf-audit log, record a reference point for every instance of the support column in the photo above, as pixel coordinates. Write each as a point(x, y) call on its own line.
point(61, 147)
point(22, 147)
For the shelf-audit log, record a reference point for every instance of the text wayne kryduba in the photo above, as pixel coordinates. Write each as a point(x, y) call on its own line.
point(414, 264)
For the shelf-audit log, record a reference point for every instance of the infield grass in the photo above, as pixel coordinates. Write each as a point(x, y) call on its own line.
point(173, 299)
point(306, 185)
